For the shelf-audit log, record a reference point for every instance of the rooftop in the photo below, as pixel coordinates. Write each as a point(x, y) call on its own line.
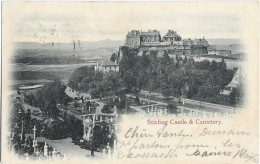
point(203, 39)
point(212, 48)
point(105, 63)
point(171, 33)
point(150, 32)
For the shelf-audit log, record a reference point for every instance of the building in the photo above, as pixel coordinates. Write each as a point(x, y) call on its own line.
point(137, 38)
point(171, 37)
point(171, 41)
point(150, 38)
point(212, 50)
point(199, 47)
point(187, 43)
point(133, 39)
point(198, 50)
point(200, 42)
point(107, 66)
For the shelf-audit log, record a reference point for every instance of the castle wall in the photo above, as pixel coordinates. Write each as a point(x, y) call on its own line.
point(133, 41)
point(199, 50)
point(170, 49)
point(158, 47)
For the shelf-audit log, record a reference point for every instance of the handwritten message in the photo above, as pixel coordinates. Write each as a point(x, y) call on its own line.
point(170, 139)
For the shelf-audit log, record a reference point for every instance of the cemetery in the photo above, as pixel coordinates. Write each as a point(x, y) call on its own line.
point(28, 147)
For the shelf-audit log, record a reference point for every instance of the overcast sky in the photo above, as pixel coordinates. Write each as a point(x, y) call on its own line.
point(100, 21)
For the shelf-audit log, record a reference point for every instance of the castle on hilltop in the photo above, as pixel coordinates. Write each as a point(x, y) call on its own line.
point(137, 38)
point(170, 41)
point(173, 43)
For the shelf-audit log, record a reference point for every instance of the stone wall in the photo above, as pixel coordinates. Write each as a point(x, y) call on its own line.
point(199, 50)
point(133, 41)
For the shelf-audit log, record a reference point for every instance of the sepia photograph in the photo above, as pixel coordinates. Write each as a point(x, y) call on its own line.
point(104, 81)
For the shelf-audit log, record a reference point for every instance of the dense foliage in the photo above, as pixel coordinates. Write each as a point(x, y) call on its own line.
point(52, 126)
point(97, 83)
point(170, 76)
point(47, 97)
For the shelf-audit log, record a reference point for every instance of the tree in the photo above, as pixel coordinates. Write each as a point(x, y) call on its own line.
point(48, 96)
point(51, 109)
point(222, 65)
point(207, 91)
point(185, 60)
point(79, 76)
point(236, 96)
point(28, 117)
point(142, 79)
point(76, 131)
point(113, 57)
point(213, 65)
point(204, 65)
point(201, 80)
point(166, 58)
point(15, 107)
point(172, 108)
point(128, 60)
point(193, 90)
point(166, 92)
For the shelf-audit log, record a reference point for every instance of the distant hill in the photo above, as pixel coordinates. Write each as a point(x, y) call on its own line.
point(103, 44)
point(70, 46)
point(101, 49)
point(221, 41)
point(107, 47)
point(234, 45)
point(234, 48)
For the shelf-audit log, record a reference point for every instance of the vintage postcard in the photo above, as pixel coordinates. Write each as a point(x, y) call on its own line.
point(130, 82)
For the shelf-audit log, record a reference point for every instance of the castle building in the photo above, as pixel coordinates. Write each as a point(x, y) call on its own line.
point(133, 39)
point(136, 39)
point(107, 66)
point(187, 43)
point(152, 37)
point(212, 50)
point(170, 41)
point(171, 37)
point(200, 42)
point(198, 50)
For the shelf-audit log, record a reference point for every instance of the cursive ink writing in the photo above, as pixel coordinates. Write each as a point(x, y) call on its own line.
point(162, 133)
point(134, 133)
point(207, 153)
point(207, 132)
